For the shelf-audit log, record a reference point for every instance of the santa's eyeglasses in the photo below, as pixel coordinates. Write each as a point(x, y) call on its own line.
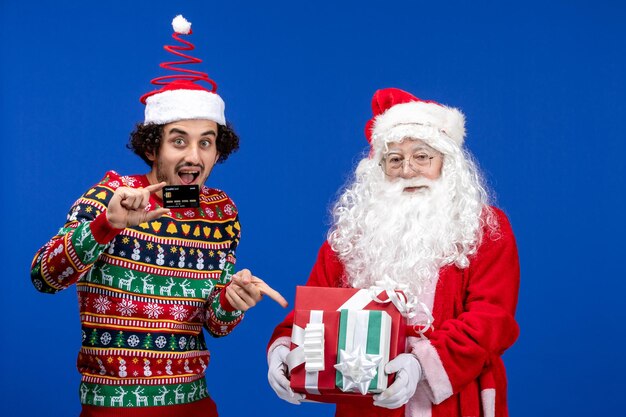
point(393, 163)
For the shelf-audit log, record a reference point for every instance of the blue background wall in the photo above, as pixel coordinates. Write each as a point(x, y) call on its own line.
point(541, 84)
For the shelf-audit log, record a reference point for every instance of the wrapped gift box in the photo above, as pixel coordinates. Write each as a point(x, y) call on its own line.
point(318, 339)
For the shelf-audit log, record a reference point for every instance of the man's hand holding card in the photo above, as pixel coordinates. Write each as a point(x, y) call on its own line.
point(128, 205)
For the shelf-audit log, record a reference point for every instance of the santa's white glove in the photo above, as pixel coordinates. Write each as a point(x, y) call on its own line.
point(277, 375)
point(409, 373)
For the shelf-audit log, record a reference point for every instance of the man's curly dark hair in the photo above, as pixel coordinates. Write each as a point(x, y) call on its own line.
point(147, 138)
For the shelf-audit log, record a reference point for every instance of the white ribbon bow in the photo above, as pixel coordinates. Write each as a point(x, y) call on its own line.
point(358, 369)
point(404, 301)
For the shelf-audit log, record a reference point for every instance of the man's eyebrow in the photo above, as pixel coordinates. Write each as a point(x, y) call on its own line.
point(176, 130)
point(209, 132)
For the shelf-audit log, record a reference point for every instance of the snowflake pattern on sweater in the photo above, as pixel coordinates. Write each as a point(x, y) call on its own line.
point(144, 294)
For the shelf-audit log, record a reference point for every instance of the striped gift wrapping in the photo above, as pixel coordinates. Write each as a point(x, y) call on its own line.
point(363, 351)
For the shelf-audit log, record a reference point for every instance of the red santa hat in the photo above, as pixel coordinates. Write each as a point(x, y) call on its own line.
point(398, 115)
point(181, 97)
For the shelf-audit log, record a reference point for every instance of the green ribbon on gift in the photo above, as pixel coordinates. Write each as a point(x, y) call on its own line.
point(363, 350)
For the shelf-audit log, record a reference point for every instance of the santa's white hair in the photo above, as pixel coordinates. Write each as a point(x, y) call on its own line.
point(380, 231)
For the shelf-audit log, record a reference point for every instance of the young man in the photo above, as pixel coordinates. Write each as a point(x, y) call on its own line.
point(150, 278)
point(418, 213)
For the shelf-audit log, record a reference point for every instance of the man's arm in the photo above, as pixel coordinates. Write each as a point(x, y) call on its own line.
point(93, 221)
point(222, 317)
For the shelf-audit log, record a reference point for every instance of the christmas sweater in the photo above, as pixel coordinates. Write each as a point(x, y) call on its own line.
point(144, 294)
point(474, 323)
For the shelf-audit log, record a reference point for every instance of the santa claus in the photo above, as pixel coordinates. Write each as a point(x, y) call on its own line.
point(418, 213)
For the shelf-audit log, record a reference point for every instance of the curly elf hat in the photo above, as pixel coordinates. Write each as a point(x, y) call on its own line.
point(398, 115)
point(181, 97)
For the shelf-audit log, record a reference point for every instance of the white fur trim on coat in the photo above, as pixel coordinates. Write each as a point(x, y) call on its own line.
point(436, 378)
point(442, 119)
point(488, 398)
point(173, 105)
point(281, 341)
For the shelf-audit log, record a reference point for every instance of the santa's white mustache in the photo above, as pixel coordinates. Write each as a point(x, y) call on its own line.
point(402, 183)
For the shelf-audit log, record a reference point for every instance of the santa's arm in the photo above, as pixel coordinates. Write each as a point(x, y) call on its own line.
point(327, 272)
point(458, 349)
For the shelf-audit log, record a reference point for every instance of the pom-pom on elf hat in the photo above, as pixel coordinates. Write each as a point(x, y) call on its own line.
point(398, 115)
point(180, 96)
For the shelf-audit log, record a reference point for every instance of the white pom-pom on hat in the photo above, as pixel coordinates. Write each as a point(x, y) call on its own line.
point(181, 25)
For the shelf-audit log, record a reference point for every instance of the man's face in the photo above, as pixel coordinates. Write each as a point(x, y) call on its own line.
point(187, 153)
point(412, 159)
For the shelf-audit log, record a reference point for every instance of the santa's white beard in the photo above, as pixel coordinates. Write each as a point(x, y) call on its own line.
point(380, 230)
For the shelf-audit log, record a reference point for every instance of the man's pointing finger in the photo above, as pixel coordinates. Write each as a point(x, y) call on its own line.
point(272, 293)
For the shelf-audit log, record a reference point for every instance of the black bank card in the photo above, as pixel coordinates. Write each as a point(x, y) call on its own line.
point(181, 196)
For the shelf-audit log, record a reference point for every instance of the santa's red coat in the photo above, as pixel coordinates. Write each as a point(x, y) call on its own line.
point(474, 324)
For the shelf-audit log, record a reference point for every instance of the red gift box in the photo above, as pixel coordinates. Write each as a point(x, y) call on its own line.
point(322, 305)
